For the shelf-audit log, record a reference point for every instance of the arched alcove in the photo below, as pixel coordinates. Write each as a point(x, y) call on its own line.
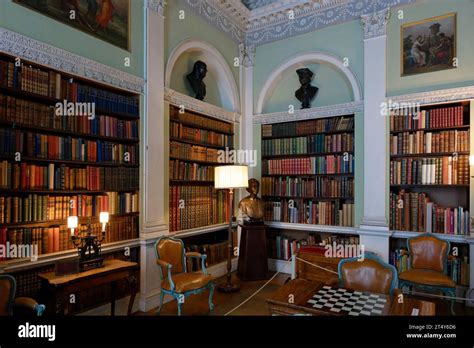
point(323, 63)
point(220, 81)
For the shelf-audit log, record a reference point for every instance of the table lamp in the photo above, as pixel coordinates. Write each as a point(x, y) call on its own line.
point(230, 177)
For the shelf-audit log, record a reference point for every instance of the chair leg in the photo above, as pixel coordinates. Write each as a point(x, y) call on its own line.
point(162, 295)
point(452, 293)
point(180, 306)
point(211, 293)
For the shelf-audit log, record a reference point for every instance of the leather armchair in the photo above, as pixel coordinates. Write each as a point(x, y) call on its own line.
point(175, 280)
point(371, 275)
point(428, 265)
point(9, 305)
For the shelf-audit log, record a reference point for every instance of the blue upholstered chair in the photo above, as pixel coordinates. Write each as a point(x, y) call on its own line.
point(371, 274)
point(176, 281)
point(428, 266)
point(9, 305)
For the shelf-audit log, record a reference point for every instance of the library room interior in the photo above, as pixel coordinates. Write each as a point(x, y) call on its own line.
point(236, 158)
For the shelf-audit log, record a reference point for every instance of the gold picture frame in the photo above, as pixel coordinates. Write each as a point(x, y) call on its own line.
point(105, 26)
point(428, 45)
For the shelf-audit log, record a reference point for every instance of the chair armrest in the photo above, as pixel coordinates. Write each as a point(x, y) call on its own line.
point(27, 304)
point(168, 267)
point(203, 259)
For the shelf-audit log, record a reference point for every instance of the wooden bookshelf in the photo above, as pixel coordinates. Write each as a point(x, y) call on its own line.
point(309, 164)
point(430, 181)
point(28, 96)
point(195, 142)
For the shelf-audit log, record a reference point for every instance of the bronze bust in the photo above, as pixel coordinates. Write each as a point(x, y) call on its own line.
point(195, 79)
point(251, 207)
point(306, 93)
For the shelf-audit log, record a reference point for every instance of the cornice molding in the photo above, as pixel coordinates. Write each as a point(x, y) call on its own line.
point(41, 53)
point(196, 105)
point(157, 6)
point(375, 24)
point(312, 113)
point(434, 97)
point(271, 22)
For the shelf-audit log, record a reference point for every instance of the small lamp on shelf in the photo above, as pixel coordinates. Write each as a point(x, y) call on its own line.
point(72, 223)
point(230, 177)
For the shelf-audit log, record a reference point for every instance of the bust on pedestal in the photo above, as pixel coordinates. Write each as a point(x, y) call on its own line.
point(253, 262)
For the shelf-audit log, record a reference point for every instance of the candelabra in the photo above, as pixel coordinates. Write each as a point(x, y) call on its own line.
point(87, 243)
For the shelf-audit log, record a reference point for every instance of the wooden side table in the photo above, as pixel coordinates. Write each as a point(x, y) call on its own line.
point(59, 288)
point(253, 258)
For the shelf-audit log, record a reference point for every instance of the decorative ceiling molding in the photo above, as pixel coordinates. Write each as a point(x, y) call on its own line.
point(375, 24)
point(196, 105)
point(157, 6)
point(41, 53)
point(312, 113)
point(284, 18)
point(434, 97)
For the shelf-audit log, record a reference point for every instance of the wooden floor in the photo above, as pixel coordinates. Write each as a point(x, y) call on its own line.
point(225, 303)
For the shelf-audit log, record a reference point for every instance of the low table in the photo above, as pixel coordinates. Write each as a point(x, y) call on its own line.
point(292, 299)
point(59, 288)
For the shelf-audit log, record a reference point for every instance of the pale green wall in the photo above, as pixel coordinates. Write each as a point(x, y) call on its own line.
point(461, 76)
point(37, 26)
point(194, 27)
point(344, 41)
point(334, 88)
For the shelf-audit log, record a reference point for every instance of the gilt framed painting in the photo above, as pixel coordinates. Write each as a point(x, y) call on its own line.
point(429, 45)
point(108, 20)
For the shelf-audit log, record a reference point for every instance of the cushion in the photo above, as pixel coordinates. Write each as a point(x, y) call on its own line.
point(427, 277)
point(187, 281)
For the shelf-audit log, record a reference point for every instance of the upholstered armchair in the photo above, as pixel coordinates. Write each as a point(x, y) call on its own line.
point(428, 266)
point(9, 305)
point(176, 281)
point(371, 274)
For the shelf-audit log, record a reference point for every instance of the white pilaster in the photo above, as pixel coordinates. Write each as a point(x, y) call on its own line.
point(247, 59)
point(374, 228)
point(153, 222)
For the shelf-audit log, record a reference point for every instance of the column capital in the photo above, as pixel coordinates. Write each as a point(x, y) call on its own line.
point(375, 24)
point(247, 55)
point(157, 6)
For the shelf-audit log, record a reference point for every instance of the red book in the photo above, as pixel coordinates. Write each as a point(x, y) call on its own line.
point(56, 239)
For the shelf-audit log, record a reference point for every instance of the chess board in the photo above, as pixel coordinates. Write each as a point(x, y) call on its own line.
point(348, 302)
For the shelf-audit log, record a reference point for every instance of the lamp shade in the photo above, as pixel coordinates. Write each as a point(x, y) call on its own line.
point(230, 177)
point(104, 217)
point(72, 222)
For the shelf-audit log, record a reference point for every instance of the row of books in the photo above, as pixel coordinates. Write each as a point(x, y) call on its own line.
point(434, 118)
point(29, 113)
point(178, 130)
point(308, 127)
point(179, 170)
point(56, 239)
point(52, 84)
point(62, 177)
point(300, 187)
point(421, 142)
point(319, 143)
point(65, 148)
point(446, 170)
point(35, 207)
point(282, 247)
point(309, 212)
point(310, 165)
point(413, 211)
point(193, 152)
point(215, 252)
point(458, 267)
point(200, 121)
point(196, 206)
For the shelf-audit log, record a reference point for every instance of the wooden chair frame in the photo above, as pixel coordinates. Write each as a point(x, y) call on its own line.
point(172, 292)
point(38, 309)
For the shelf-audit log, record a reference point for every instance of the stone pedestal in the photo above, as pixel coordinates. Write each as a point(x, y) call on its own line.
point(253, 259)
